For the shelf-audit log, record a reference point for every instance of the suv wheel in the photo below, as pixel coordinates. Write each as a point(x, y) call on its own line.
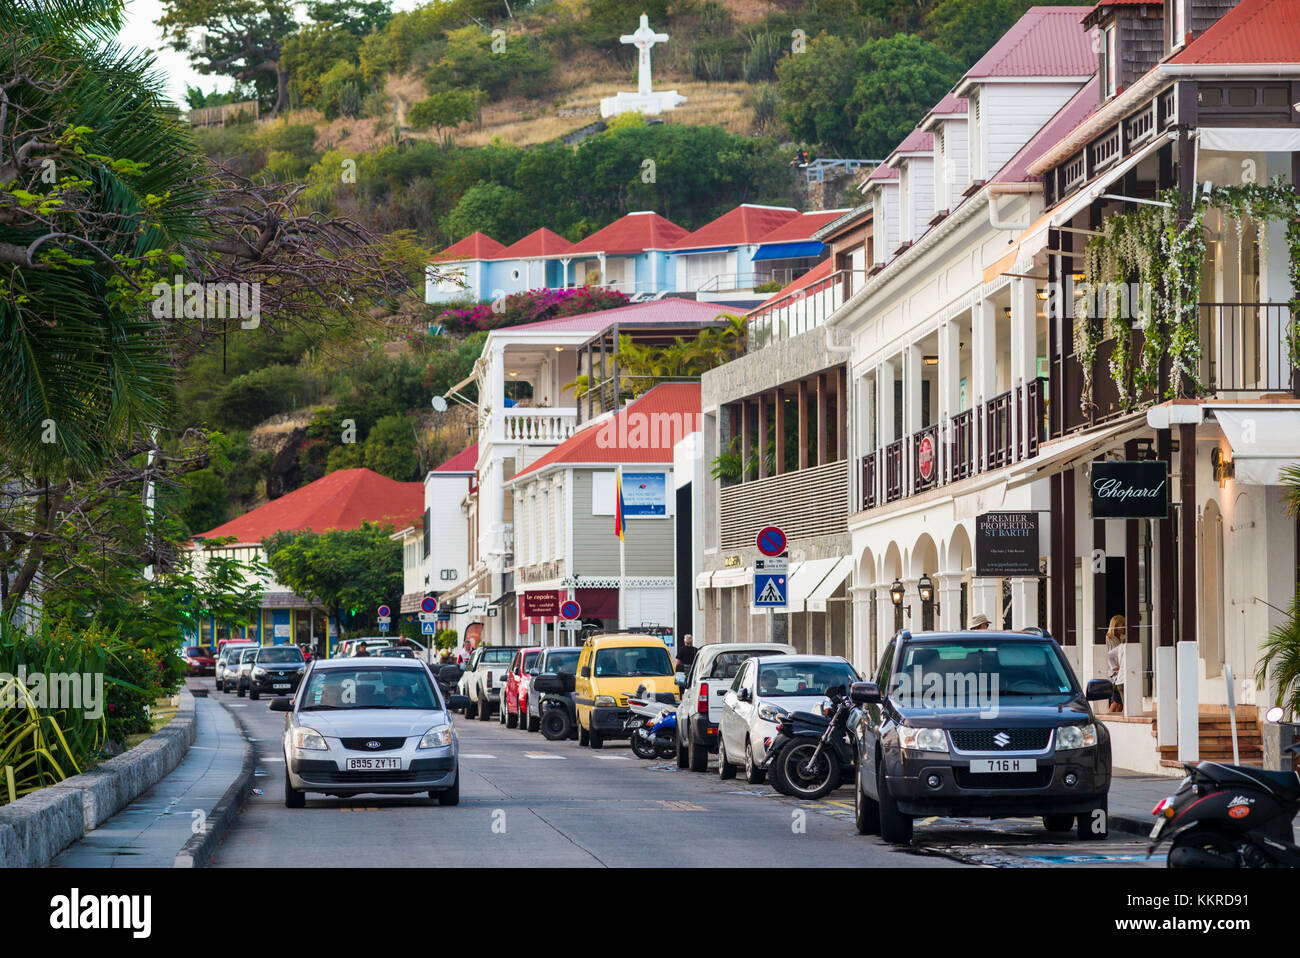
point(555, 725)
point(753, 774)
point(253, 693)
point(471, 710)
point(699, 755)
point(866, 811)
point(449, 796)
point(292, 797)
point(239, 689)
point(485, 709)
point(895, 827)
point(534, 722)
point(1094, 825)
point(512, 718)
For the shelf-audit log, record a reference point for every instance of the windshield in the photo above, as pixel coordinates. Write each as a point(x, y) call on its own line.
point(198, 650)
point(369, 688)
point(285, 654)
point(498, 656)
point(247, 655)
point(563, 662)
point(804, 678)
point(727, 664)
point(633, 661)
point(968, 673)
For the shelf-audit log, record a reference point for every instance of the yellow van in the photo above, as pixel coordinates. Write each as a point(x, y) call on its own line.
point(610, 668)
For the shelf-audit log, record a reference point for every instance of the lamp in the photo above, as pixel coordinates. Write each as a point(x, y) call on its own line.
point(930, 360)
point(896, 593)
point(925, 588)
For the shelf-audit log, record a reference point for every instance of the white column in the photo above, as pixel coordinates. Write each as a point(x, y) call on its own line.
point(949, 371)
point(1189, 720)
point(949, 593)
point(860, 647)
point(911, 389)
point(1132, 678)
point(1166, 688)
point(984, 362)
point(884, 615)
point(1024, 349)
point(1024, 602)
point(985, 596)
point(911, 605)
point(564, 264)
point(604, 274)
point(885, 392)
point(496, 391)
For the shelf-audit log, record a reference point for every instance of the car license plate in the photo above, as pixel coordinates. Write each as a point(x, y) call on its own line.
point(990, 766)
point(372, 764)
point(280, 685)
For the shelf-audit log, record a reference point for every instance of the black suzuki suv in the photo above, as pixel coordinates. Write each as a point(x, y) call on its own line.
point(978, 725)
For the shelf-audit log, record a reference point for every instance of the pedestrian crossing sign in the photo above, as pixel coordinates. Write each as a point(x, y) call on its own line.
point(428, 628)
point(769, 590)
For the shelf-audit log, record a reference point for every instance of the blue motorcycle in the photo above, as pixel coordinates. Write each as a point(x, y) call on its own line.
point(652, 721)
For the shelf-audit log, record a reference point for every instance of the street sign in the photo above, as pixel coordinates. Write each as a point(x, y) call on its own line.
point(778, 564)
point(383, 626)
point(428, 604)
point(384, 612)
point(770, 590)
point(384, 620)
point(428, 628)
point(570, 610)
point(771, 541)
point(428, 616)
point(569, 625)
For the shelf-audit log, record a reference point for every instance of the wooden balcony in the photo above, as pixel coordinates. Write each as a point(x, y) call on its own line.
point(804, 503)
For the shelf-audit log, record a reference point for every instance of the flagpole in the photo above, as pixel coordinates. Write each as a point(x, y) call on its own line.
point(622, 557)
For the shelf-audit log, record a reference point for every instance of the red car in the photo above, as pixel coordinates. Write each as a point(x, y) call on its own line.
point(514, 706)
point(200, 659)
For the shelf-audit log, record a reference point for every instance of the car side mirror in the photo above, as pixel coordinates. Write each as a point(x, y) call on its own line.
point(1099, 689)
point(745, 695)
point(586, 671)
point(864, 693)
point(548, 683)
point(282, 703)
point(456, 702)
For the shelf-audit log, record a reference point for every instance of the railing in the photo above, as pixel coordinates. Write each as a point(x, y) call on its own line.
point(817, 170)
point(537, 425)
point(997, 430)
point(1244, 347)
point(925, 459)
point(807, 502)
point(894, 476)
point(1036, 415)
point(800, 311)
point(868, 472)
point(961, 459)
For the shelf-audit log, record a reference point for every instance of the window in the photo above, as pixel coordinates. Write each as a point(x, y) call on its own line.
point(1177, 20)
point(633, 661)
point(1109, 67)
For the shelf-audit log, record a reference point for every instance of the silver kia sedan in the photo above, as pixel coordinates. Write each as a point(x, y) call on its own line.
point(362, 725)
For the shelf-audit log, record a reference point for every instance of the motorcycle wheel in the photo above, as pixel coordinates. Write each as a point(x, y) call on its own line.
point(1200, 842)
point(803, 782)
point(642, 747)
point(666, 751)
point(555, 725)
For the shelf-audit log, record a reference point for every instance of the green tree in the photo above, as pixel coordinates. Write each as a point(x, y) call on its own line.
point(967, 29)
point(899, 79)
point(390, 449)
point(497, 210)
point(343, 570)
point(815, 86)
point(444, 111)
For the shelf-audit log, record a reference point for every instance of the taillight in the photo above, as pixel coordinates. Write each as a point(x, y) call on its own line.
point(1165, 808)
point(702, 704)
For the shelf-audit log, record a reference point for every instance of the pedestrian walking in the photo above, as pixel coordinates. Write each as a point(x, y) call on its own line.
point(1116, 643)
point(686, 654)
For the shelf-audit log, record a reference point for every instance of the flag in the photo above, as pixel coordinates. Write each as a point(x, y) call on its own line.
point(618, 503)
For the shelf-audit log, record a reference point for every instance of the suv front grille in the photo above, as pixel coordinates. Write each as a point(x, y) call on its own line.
point(985, 740)
point(362, 744)
point(1040, 778)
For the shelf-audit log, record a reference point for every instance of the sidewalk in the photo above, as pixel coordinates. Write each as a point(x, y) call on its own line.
point(150, 831)
point(1132, 796)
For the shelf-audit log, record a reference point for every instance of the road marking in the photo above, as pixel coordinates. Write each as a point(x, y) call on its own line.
point(271, 758)
point(543, 755)
point(681, 806)
point(613, 758)
point(476, 755)
point(237, 705)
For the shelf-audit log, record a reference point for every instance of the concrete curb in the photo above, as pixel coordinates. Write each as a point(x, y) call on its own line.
point(197, 852)
point(34, 829)
point(1131, 825)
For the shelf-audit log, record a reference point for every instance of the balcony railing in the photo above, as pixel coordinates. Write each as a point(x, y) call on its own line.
point(997, 430)
point(807, 502)
point(802, 310)
point(963, 448)
point(925, 458)
point(867, 496)
point(542, 426)
point(894, 475)
point(1244, 347)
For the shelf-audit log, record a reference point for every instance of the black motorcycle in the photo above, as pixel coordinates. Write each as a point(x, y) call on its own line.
point(811, 754)
point(447, 677)
point(1230, 816)
point(555, 705)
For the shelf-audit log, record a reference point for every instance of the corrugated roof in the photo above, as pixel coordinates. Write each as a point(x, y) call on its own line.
point(950, 105)
point(644, 431)
point(802, 227)
point(1076, 109)
point(341, 500)
point(633, 233)
point(474, 246)
point(820, 271)
point(539, 243)
point(1254, 31)
point(464, 461)
point(745, 224)
point(1045, 42)
point(669, 311)
point(918, 141)
point(883, 172)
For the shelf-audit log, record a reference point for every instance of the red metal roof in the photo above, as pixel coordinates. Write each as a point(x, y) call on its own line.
point(1076, 109)
point(474, 246)
point(464, 461)
point(669, 311)
point(537, 244)
point(644, 431)
point(633, 233)
point(951, 104)
point(883, 172)
point(1046, 42)
point(341, 500)
point(820, 271)
point(745, 224)
point(918, 141)
point(802, 227)
point(1254, 31)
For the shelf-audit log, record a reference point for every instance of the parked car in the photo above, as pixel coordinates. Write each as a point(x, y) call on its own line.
point(767, 688)
point(241, 669)
point(276, 669)
point(514, 708)
point(979, 724)
point(611, 667)
point(199, 659)
point(483, 678)
point(358, 726)
point(560, 660)
point(227, 659)
point(703, 689)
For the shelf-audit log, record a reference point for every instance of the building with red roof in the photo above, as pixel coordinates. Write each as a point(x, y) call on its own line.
point(461, 271)
point(540, 260)
point(630, 254)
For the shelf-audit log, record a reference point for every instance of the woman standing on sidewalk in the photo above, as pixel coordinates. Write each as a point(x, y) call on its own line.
point(1115, 645)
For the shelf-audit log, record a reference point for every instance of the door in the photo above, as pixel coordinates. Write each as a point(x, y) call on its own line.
point(731, 728)
point(582, 684)
point(867, 721)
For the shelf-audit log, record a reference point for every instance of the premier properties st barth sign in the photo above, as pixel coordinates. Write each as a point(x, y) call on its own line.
point(1130, 490)
point(1006, 544)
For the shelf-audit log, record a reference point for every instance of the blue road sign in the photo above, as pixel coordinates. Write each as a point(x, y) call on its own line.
point(383, 626)
point(771, 541)
point(769, 590)
point(428, 628)
point(429, 604)
point(570, 610)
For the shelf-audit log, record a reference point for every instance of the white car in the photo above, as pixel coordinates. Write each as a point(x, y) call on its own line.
point(766, 688)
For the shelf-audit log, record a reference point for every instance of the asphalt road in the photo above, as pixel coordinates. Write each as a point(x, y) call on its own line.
point(527, 801)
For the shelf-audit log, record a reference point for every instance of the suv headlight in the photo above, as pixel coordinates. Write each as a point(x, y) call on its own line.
point(437, 737)
point(772, 713)
point(304, 737)
point(1076, 736)
point(259, 673)
point(922, 739)
point(604, 701)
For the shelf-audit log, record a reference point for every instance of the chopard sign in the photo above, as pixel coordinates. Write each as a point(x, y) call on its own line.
point(1130, 490)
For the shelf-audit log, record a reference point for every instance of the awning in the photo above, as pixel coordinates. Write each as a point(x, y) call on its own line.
point(702, 580)
point(1034, 240)
point(834, 579)
point(803, 578)
point(1254, 139)
point(789, 250)
point(1057, 456)
point(732, 578)
point(1263, 441)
